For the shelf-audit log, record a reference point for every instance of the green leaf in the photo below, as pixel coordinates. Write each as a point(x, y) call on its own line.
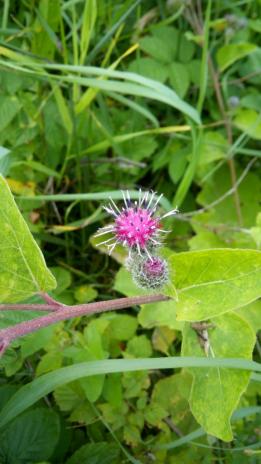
point(85, 293)
point(125, 285)
point(239, 414)
point(162, 339)
point(177, 161)
point(92, 386)
point(186, 49)
point(33, 391)
point(69, 396)
point(6, 392)
point(255, 24)
point(135, 383)
point(31, 437)
point(22, 265)
point(218, 226)
point(249, 121)
point(224, 212)
point(139, 347)
point(212, 282)
point(215, 392)
point(251, 314)
point(159, 48)
point(251, 101)
point(44, 39)
point(159, 314)
point(96, 453)
point(49, 362)
point(179, 78)
point(112, 391)
point(63, 278)
point(149, 67)
point(154, 413)
point(230, 53)
point(194, 68)
point(63, 109)
point(213, 147)
point(122, 327)
point(170, 38)
point(88, 23)
point(37, 340)
point(9, 108)
point(139, 148)
point(170, 394)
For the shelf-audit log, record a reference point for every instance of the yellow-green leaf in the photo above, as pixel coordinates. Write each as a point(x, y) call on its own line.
point(230, 53)
point(212, 282)
point(215, 392)
point(249, 121)
point(23, 271)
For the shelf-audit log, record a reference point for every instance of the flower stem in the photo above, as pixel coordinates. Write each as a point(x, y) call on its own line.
point(66, 312)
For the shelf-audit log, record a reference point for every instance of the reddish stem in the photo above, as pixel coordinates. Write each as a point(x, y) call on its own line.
point(30, 307)
point(67, 312)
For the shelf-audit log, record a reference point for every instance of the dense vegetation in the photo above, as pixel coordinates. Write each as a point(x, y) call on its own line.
point(177, 111)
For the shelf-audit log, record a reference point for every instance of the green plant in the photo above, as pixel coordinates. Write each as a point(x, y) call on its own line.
point(98, 97)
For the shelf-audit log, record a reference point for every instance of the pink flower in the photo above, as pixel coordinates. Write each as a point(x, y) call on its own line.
point(136, 225)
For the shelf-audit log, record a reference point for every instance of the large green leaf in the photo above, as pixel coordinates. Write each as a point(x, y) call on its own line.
point(212, 282)
point(31, 437)
point(23, 271)
point(215, 392)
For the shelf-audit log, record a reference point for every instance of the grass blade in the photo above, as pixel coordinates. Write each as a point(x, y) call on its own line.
point(32, 392)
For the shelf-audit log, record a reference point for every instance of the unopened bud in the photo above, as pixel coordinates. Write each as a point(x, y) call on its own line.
point(150, 274)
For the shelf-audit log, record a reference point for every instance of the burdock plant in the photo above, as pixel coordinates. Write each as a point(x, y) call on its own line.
point(138, 227)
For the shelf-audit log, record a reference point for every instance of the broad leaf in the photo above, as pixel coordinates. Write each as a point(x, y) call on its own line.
point(230, 53)
point(212, 282)
point(23, 271)
point(215, 392)
point(252, 314)
point(31, 437)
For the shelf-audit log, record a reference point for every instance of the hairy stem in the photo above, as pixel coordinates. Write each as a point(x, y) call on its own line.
point(67, 312)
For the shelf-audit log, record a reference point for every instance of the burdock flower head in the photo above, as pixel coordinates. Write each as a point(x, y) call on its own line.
point(137, 226)
point(150, 274)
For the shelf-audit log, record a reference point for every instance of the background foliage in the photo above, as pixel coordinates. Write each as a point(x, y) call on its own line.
point(186, 124)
